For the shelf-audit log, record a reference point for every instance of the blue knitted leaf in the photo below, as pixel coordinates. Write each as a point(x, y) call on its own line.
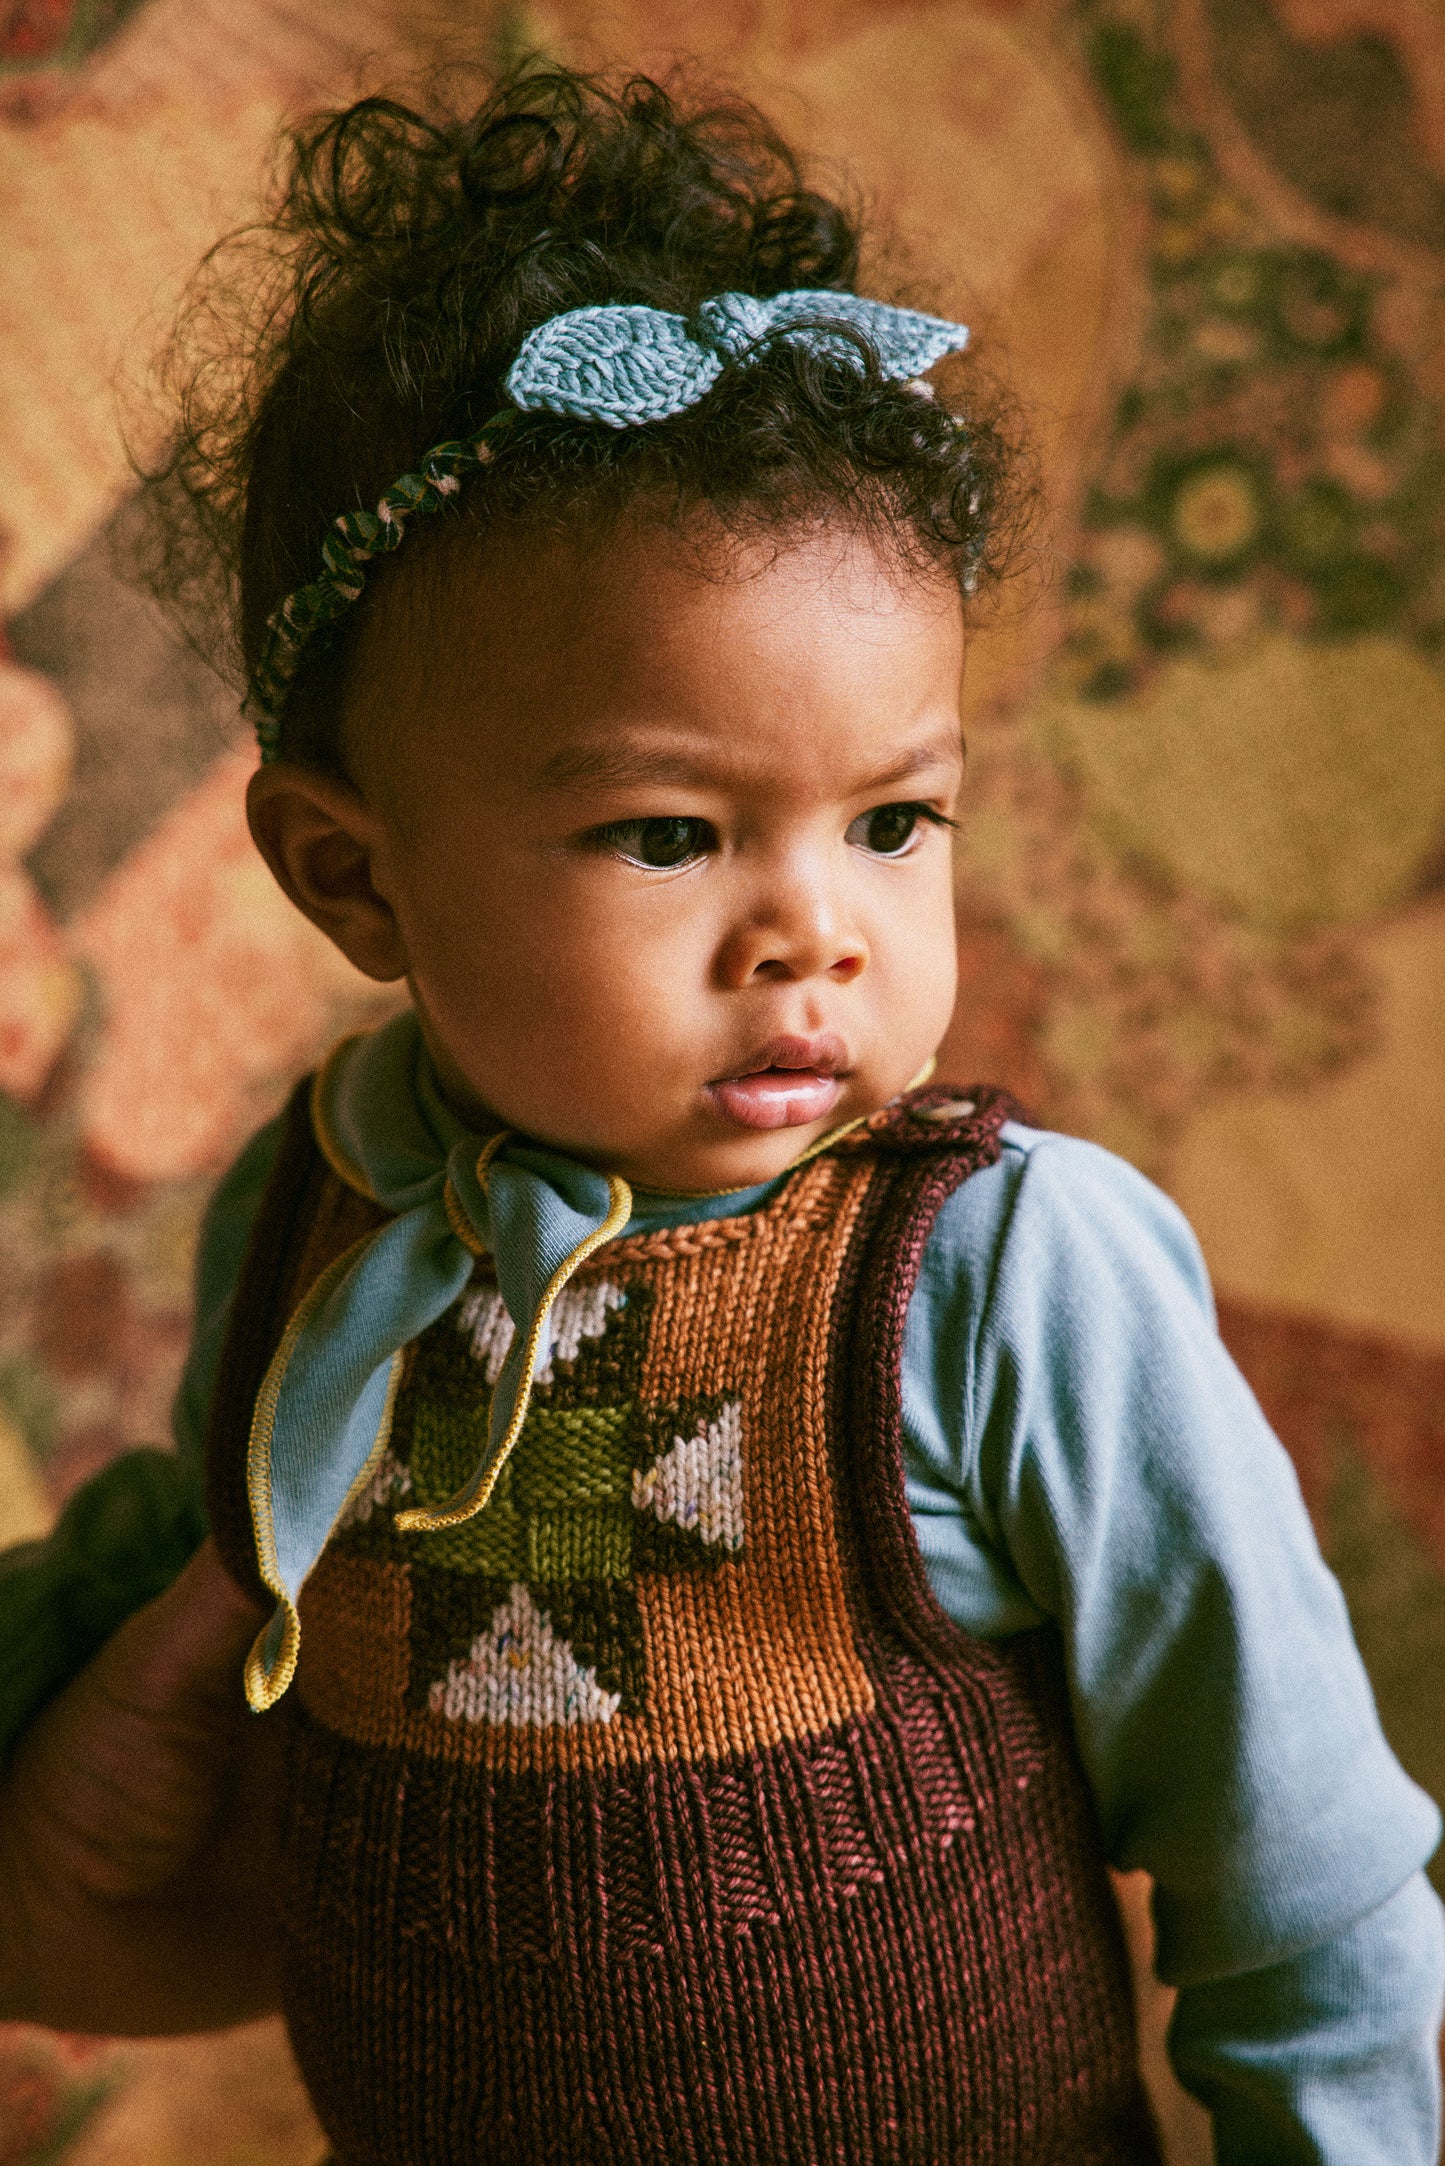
point(905, 341)
point(622, 365)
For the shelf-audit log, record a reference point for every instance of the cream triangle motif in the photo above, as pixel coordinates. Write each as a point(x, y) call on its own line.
point(697, 1484)
point(521, 1673)
point(388, 1480)
point(578, 1313)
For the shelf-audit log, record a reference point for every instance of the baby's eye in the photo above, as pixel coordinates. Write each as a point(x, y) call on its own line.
point(890, 830)
point(660, 845)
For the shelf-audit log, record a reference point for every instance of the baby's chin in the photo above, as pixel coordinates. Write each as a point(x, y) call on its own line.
point(706, 1137)
point(740, 1140)
point(710, 1173)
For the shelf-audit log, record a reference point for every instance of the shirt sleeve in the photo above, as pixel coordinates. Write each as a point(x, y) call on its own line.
point(125, 1535)
point(1081, 1448)
point(1329, 2059)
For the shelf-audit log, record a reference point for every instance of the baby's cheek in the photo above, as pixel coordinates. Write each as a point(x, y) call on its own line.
point(569, 1008)
point(915, 963)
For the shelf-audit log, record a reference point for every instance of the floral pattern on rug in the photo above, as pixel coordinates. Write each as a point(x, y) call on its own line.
point(56, 33)
point(1236, 758)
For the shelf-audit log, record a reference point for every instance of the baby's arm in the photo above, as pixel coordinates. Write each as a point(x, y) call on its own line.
point(1297, 2060)
point(1083, 1450)
point(136, 1836)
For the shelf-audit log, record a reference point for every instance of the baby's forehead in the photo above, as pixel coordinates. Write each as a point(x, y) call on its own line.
point(575, 664)
point(650, 591)
point(651, 557)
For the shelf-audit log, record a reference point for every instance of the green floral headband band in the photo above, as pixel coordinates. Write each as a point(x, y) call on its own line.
point(622, 365)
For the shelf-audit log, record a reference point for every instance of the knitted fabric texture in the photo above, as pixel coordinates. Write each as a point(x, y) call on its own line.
point(623, 365)
point(658, 1813)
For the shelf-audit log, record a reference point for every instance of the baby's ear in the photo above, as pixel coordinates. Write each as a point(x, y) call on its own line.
point(322, 842)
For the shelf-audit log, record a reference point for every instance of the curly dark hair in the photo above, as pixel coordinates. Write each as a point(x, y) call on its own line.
point(376, 311)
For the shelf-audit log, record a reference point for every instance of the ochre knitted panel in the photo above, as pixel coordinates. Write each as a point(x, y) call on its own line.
point(718, 1332)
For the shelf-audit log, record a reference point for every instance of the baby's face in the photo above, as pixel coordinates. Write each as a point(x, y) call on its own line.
point(666, 853)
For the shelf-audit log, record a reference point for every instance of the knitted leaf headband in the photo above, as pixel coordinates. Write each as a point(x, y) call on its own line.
point(622, 365)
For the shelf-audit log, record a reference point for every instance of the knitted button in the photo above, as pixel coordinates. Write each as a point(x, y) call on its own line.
point(952, 1109)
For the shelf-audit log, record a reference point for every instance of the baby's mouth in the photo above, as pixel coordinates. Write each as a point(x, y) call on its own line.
point(786, 1084)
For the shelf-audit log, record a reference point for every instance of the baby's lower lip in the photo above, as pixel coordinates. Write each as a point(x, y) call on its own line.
point(777, 1097)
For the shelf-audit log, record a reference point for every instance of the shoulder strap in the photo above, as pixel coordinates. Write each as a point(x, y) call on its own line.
point(929, 1143)
point(307, 1216)
point(963, 1119)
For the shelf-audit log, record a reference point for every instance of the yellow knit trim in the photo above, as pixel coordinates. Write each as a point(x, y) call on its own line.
point(264, 1687)
point(460, 1224)
point(478, 1491)
point(337, 1158)
point(457, 1218)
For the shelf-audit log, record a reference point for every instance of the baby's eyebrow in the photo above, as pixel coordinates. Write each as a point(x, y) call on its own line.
point(918, 760)
point(618, 763)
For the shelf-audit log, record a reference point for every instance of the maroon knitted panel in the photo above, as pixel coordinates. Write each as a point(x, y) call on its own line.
point(805, 1956)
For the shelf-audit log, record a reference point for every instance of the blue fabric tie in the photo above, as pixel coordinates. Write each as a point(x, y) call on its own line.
point(625, 364)
point(323, 1416)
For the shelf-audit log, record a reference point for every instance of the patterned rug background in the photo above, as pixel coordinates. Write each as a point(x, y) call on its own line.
point(1202, 885)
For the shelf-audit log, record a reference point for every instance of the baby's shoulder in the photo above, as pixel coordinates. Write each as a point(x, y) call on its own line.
point(1061, 1225)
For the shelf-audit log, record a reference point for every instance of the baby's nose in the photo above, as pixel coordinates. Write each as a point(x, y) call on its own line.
point(804, 938)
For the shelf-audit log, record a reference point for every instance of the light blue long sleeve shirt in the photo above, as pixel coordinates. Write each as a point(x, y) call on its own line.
point(1080, 1448)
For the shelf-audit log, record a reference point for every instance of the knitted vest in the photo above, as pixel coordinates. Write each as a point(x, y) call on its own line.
point(659, 1814)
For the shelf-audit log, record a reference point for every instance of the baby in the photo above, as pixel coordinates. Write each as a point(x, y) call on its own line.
point(733, 1537)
